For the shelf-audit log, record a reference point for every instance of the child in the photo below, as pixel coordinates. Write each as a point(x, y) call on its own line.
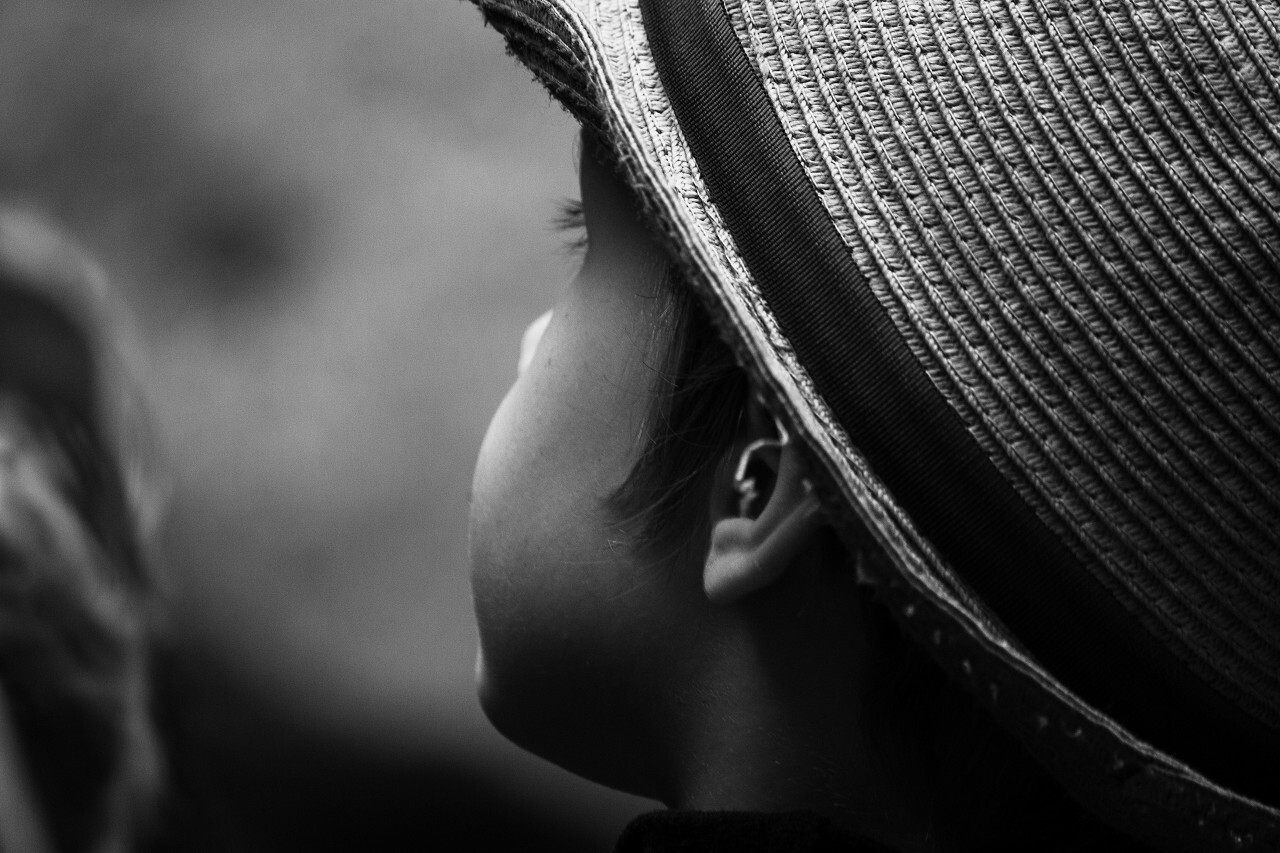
point(902, 468)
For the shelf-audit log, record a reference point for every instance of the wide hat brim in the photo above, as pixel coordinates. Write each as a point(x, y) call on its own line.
point(596, 57)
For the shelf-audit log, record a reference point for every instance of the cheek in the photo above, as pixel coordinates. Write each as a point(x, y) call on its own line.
point(569, 620)
point(557, 598)
point(559, 444)
point(537, 539)
point(492, 483)
point(536, 566)
point(508, 524)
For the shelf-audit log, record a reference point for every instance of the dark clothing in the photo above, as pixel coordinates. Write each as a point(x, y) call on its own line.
point(740, 832)
point(808, 832)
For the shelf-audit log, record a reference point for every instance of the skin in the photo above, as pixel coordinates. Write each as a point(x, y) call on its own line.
point(558, 598)
point(731, 679)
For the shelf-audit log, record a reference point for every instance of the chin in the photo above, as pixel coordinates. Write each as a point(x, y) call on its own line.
point(491, 702)
point(577, 730)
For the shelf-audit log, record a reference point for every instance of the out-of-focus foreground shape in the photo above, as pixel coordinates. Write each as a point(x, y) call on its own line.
point(330, 236)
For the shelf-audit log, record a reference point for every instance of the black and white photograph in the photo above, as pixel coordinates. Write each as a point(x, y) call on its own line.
point(648, 426)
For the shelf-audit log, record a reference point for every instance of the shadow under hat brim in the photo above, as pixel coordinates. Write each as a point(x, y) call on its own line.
point(598, 59)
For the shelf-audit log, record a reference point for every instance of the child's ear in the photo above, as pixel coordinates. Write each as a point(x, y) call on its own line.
point(763, 513)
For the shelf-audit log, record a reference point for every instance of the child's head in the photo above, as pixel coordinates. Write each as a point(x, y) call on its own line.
point(964, 315)
point(609, 533)
point(563, 594)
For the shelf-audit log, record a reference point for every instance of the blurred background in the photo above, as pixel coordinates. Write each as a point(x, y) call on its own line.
point(329, 223)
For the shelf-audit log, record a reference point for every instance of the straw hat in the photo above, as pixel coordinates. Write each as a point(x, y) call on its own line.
point(1010, 271)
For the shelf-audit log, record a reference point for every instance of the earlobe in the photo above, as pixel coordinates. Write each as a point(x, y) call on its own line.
point(748, 553)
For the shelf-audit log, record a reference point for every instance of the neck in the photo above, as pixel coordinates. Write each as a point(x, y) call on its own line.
point(783, 725)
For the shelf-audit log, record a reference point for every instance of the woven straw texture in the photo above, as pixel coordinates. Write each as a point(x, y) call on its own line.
point(1072, 218)
point(1106, 330)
